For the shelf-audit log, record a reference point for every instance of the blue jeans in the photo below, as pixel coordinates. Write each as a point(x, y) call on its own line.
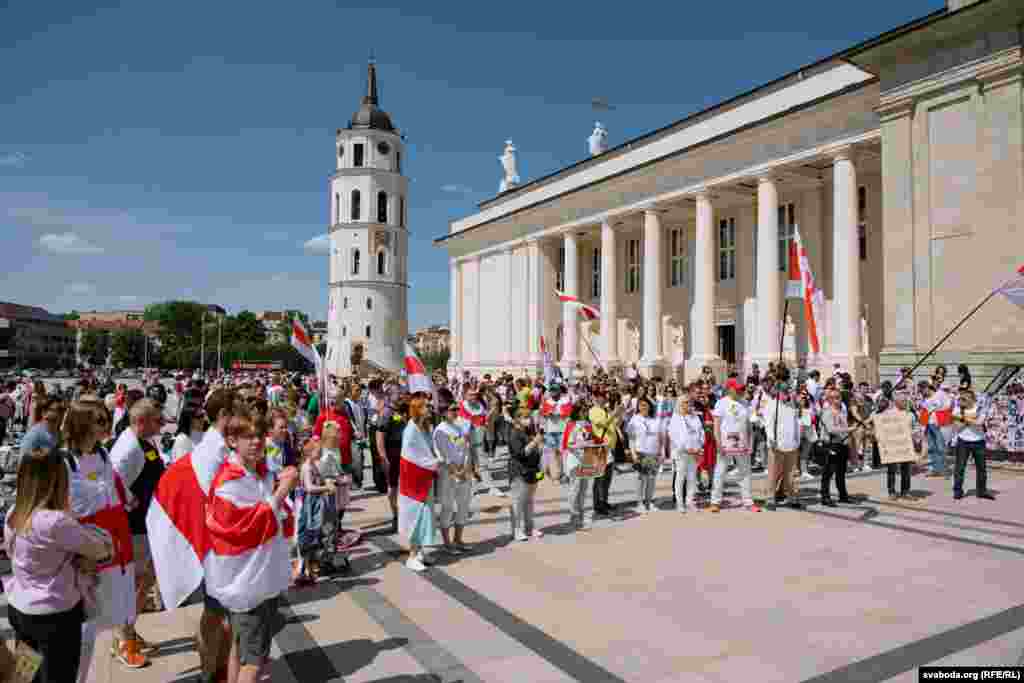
point(936, 450)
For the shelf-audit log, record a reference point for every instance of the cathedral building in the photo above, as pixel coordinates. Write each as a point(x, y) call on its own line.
point(899, 161)
point(367, 317)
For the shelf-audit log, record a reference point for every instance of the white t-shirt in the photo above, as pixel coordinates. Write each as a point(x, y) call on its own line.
point(643, 434)
point(734, 416)
point(685, 433)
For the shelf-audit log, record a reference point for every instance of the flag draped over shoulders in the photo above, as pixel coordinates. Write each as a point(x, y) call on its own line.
point(417, 469)
point(176, 521)
point(248, 559)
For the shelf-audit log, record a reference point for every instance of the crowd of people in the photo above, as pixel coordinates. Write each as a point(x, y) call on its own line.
point(264, 466)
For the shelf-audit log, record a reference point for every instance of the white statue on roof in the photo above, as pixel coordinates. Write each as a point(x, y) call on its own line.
point(508, 163)
point(598, 140)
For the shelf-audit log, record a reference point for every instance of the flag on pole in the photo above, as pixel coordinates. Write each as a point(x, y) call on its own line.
point(416, 372)
point(794, 282)
point(301, 343)
point(588, 312)
point(1013, 289)
point(814, 299)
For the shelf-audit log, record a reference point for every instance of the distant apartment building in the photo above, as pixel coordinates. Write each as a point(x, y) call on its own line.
point(31, 337)
point(318, 329)
point(271, 321)
point(433, 339)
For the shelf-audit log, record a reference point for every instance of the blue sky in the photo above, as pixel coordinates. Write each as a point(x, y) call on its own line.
point(165, 150)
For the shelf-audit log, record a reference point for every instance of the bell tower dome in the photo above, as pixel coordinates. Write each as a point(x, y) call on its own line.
point(369, 239)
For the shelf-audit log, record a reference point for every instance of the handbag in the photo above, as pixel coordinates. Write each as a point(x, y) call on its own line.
point(20, 663)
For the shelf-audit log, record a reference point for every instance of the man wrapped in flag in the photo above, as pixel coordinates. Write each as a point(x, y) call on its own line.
point(250, 524)
point(418, 466)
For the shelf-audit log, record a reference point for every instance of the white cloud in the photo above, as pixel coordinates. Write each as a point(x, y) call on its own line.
point(81, 289)
point(14, 159)
point(455, 188)
point(67, 243)
point(321, 244)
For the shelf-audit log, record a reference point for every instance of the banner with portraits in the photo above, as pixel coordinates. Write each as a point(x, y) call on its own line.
point(1005, 425)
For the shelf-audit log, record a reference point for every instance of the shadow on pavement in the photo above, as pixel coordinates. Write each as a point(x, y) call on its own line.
point(319, 664)
point(325, 590)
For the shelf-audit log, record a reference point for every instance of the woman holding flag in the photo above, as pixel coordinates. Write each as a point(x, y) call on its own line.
point(418, 466)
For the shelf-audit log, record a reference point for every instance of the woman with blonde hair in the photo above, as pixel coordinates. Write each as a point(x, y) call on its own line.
point(99, 498)
point(47, 547)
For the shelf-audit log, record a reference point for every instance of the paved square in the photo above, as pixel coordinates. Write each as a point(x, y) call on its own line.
point(863, 592)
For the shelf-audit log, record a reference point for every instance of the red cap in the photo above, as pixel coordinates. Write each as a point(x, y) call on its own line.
point(734, 384)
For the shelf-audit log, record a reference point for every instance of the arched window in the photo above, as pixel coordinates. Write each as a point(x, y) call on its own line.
point(398, 161)
point(355, 262)
point(355, 205)
point(337, 207)
point(367, 331)
point(344, 331)
point(401, 211)
point(382, 207)
point(344, 303)
point(369, 303)
point(558, 342)
point(382, 262)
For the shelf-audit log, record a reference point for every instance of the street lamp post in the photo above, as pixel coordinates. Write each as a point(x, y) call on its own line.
point(202, 347)
point(220, 323)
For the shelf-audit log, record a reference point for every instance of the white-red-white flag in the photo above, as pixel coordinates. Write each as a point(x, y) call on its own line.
point(248, 558)
point(814, 299)
point(588, 312)
point(303, 344)
point(416, 373)
point(1013, 289)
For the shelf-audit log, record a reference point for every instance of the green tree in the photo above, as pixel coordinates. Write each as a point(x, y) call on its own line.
point(73, 315)
point(179, 322)
point(128, 348)
point(95, 344)
point(243, 328)
point(436, 360)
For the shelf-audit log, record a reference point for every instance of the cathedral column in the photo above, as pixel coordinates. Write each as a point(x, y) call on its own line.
point(702, 324)
point(652, 357)
point(845, 261)
point(471, 311)
point(609, 282)
point(512, 322)
point(570, 317)
point(455, 358)
point(769, 289)
point(535, 309)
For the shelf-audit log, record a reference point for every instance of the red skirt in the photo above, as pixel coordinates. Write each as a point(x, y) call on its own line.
point(707, 461)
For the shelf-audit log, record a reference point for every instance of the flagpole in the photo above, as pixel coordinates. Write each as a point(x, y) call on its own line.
point(782, 341)
point(949, 334)
point(596, 359)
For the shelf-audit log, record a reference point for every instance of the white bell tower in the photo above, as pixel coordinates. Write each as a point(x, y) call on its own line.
point(369, 241)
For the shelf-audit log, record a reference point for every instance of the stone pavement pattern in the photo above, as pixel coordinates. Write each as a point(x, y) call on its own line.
point(864, 592)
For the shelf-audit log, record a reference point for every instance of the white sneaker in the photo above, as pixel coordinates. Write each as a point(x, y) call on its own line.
point(415, 564)
point(866, 468)
point(522, 537)
point(640, 510)
point(681, 509)
point(495, 491)
point(806, 477)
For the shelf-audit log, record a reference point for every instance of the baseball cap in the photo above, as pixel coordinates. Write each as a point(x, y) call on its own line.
point(734, 384)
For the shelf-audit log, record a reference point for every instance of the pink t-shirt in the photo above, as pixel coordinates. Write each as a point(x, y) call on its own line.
point(43, 579)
